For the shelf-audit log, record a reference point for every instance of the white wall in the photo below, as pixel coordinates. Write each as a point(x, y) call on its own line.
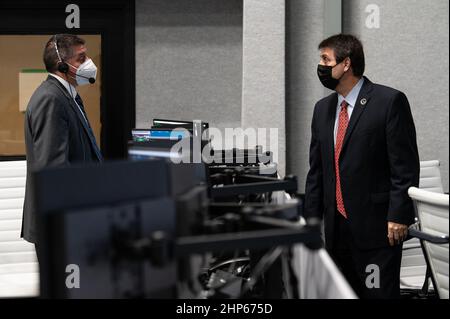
point(263, 85)
point(189, 61)
point(409, 51)
point(221, 61)
point(307, 27)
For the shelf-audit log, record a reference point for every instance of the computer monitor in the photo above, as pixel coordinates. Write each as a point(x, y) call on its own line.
point(155, 148)
point(167, 123)
point(145, 135)
point(89, 217)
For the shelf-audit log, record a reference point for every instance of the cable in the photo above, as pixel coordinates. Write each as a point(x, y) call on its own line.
point(264, 263)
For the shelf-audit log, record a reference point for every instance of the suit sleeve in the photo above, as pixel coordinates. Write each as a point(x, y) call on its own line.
point(49, 125)
point(314, 181)
point(403, 159)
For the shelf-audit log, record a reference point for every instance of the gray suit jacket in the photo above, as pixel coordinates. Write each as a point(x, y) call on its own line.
point(56, 134)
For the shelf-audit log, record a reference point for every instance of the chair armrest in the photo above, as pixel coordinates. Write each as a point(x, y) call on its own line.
point(413, 231)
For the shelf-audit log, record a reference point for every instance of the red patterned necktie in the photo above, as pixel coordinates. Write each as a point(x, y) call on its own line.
point(342, 128)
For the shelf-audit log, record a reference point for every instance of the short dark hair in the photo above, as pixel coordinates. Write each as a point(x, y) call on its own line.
point(65, 43)
point(346, 45)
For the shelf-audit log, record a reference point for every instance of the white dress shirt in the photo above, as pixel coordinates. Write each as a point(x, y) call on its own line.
point(351, 98)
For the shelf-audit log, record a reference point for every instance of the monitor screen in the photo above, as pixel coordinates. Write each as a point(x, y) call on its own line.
point(142, 135)
point(161, 123)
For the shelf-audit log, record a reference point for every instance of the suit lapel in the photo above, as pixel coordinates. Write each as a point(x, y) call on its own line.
point(76, 110)
point(361, 104)
point(86, 128)
point(331, 118)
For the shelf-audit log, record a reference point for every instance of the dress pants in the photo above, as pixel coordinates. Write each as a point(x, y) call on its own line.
point(358, 265)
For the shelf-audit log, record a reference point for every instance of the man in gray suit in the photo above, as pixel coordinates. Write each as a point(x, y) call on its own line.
point(57, 130)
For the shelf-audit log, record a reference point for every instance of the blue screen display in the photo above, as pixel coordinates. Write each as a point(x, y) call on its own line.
point(148, 135)
point(167, 134)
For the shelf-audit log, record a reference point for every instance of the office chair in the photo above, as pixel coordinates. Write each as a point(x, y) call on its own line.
point(413, 272)
point(432, 230)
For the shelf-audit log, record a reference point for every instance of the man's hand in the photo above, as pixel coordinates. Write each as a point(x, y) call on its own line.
point(396, 233)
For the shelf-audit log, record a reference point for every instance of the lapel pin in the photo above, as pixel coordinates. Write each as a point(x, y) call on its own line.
point(363, 101)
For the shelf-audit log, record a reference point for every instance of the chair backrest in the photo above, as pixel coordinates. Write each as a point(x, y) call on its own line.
point(430, 176)
point(19, 270)
point(414, 266)
point(433, 214)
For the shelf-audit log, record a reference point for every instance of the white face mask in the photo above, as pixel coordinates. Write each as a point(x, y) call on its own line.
point(86, 72)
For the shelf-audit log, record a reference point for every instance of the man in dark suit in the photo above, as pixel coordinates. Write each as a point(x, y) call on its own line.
point(363, 159)
point(57, 130)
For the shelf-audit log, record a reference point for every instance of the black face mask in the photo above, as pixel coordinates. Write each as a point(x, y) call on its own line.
point(325, 76)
